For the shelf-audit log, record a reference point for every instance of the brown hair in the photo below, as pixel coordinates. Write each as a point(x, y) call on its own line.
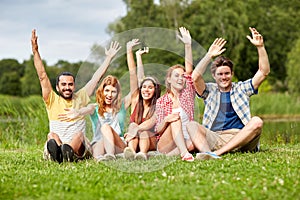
point(169, 73)
point(221, 61)
point(116, 104)
point(140, 105)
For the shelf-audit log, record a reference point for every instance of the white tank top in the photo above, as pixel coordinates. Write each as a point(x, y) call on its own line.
point(184, 120)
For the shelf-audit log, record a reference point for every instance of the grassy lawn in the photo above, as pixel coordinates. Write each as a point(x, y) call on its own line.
point(272, 173)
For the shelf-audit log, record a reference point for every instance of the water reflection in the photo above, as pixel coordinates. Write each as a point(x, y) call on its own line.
point(280, 132)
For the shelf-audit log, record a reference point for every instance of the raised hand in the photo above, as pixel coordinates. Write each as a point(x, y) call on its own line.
point(34, 43)
point(113, 49)
point(217, 47)
point(132, 43)
point(185, 36)
point(257, 39)
point(142, 51)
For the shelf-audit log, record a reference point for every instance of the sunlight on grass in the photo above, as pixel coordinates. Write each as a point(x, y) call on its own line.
point(139, 166)
point(272, 173)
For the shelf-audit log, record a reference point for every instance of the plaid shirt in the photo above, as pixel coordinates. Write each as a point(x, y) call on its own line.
point(239, 95)
point(186, 98)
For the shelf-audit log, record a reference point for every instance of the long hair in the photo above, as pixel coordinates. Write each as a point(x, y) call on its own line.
point(116, 104)
point(169, 73)
point(140, 105)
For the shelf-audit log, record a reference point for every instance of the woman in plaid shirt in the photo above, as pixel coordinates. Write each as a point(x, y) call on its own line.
point(175, 109)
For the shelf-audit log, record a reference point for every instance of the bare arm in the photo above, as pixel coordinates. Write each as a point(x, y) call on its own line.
point(132, 97)
point(145, 126)
point(187, 40)
point(110, 53)
point(39, 66)
point(166, 121)
point(148, 124)
point(263, 60)
point(214, 50)
point(127, 100)
point(140, 66)
point(72, 114)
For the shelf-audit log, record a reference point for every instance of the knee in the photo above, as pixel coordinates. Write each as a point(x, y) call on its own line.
point(143, 135)
point(105, 129)
point(257, 123)
point(192, 125)
point(160, 148)
point(79, 135)
point(52, 135)
point(176, 124)
point(195, 127)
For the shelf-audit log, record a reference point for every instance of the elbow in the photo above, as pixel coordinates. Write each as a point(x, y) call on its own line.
point(268, 71)
point(265, 70)
point(194, 77)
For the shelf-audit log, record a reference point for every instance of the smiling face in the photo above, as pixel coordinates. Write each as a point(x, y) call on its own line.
point(147, 90)
point(66, 86)
point(223, 77)
point(110, 94)
point(177, 79)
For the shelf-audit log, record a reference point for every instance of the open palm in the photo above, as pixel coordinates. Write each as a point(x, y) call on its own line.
point(217, 47)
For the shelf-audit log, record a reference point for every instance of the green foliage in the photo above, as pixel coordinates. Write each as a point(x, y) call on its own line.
point(293, 69)
point(275, 20)
point(278, 15)
point(30, 82)
point(10, 72)
point(24, 121)
point(265, 87)
point(276, 104)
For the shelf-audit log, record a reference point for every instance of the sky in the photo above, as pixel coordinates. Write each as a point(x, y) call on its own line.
point(66, 29)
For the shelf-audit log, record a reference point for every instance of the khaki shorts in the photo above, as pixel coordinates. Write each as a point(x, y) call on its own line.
point(218, 139)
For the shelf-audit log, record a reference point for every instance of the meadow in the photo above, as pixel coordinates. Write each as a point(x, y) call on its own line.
point(273, 173)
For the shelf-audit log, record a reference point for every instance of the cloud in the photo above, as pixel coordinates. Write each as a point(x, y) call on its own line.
point(67, 29)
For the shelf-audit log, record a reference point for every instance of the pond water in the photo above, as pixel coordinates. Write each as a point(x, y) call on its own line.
point(281, 132)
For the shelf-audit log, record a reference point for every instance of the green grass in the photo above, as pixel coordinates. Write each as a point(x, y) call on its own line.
point(275, 104)
point(272, 173)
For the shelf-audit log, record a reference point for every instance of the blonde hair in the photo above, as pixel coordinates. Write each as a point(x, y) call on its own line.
point(100, 98)
point(169, 74)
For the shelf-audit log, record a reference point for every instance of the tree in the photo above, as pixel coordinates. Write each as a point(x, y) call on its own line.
point(277, 20)
point(10, 72)
point(293, 69)
point(208, 20)
point(30, 81)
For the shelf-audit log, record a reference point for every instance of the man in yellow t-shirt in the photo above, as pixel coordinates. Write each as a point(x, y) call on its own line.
point(66, 139)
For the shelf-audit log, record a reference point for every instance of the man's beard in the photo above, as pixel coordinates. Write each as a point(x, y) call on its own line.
point(61, 93)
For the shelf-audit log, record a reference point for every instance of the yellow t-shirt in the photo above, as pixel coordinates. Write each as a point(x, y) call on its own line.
point(56, 104)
